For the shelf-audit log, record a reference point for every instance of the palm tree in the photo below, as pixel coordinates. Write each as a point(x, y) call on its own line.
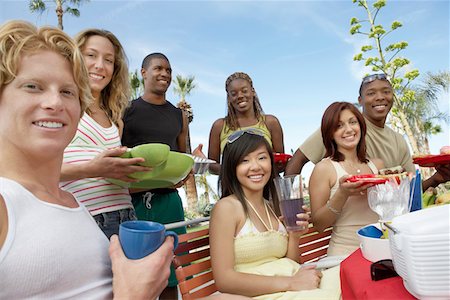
point(204, 204)
point(183, 87)
point(136, 84)
point(61, 7)
point(424, 112)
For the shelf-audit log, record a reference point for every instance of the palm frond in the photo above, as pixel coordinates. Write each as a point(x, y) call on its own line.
point(37, 6)
point(72, 11)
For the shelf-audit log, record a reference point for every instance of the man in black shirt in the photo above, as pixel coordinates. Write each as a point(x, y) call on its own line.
point(152, 119)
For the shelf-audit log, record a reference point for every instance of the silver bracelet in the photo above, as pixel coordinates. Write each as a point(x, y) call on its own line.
point(332, 209)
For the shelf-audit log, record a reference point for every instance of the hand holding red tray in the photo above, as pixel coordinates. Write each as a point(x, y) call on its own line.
point(281, 157)
point(430, 160)
point(368, 179)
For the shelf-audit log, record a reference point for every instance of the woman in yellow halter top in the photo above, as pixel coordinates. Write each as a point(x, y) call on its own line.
point(252, 254)
point(244, 112)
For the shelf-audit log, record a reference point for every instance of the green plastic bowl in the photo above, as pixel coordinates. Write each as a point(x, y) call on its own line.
point(154, 154)
point(176, 167)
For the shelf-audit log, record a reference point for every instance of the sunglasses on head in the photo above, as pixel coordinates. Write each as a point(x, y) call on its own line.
point(237, 134)
point(382, 269)
point(370, 78)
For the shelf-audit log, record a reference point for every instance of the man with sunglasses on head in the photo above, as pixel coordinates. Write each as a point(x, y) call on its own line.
point(376, 97)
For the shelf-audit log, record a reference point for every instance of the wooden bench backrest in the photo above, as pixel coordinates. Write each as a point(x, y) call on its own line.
point(193, 263)
point(313, 245)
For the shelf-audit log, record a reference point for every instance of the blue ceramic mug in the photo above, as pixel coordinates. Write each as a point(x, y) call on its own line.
point(140, 238)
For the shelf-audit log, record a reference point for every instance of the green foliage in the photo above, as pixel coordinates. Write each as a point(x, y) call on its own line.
point(202, 209)
point(424, 110)
point(379, 4)
point(411, 75)
point(411, 111)
point(366, 48)
point(62, 7)
point(409, 96)
point(372, 61)
point(190, 215)
point(358, 57)
point(36, 6)
point(136, 84)
point(397, 46)
point(72, 11)
point(395, 25)
point(183, 87)
point(376, 30)
point(397, 82)
point(355, 29)
point(400, 62)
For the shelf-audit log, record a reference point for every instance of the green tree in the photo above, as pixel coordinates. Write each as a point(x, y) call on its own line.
point(61, 7)
point(424, 113)
point(136, 84)
point(205, 204)
point(387, 60)
point(183, 87)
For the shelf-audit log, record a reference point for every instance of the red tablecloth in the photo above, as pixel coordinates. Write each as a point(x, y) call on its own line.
point(357, 284)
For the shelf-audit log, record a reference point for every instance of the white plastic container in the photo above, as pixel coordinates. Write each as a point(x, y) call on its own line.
point(373, 249)
point(420, 246)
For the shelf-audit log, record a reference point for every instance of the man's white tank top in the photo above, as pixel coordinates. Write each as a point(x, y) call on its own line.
point(51, 251)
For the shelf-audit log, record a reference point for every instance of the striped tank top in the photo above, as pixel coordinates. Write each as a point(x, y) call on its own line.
point(97, 194)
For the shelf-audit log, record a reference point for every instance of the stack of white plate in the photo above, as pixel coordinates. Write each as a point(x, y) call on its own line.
point(420, 246)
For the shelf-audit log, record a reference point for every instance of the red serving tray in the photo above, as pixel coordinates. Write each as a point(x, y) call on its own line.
point(367, 179)
point(281, 157)
point(432, 160)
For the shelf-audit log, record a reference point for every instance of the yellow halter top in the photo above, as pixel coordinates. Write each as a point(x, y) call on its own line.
point(226, 132)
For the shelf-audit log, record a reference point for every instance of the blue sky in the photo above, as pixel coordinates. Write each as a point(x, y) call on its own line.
point(298, 53)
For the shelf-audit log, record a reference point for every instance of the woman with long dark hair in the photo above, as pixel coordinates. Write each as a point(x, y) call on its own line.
point(252, 253)
point(334, 201)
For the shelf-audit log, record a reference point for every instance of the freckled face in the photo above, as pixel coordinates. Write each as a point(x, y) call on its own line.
point(40, 108)
point(99, 57)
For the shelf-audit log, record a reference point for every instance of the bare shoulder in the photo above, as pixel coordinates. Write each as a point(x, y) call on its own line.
point(227, 216)
point(216, 127)
point(272, 120)
point(227, 205)
point(218, 123)
point(324, 166)
point(323, 172)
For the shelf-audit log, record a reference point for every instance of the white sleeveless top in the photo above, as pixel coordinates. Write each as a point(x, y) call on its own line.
point(51, 251)
point(356, 210)
point(355, 214)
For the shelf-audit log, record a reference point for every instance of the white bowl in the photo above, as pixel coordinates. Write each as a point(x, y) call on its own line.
point(374, 249)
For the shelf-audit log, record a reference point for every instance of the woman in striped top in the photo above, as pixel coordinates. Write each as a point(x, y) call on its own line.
point(93, 154)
